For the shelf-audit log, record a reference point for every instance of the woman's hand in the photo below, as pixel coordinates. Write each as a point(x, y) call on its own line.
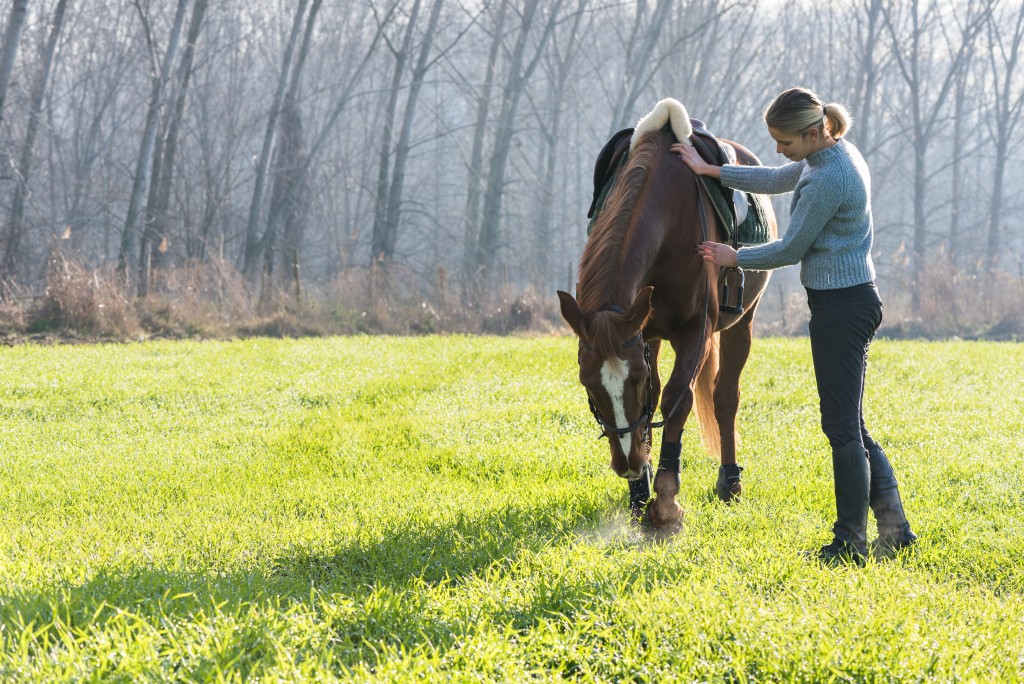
point(694, 161)
point(717, 253)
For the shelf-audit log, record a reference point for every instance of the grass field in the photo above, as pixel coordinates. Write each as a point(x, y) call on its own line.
point(438, 508)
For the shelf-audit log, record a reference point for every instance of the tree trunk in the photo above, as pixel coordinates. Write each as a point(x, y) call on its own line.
point(379, 248)
point(926, 115)
point(288, 191)
point(552, 136)
point(15, 226)
point(919, 244)
point(394, 204)
point(291, 190)
point(956, 191)
point(153, 246)
point(11, 38)
point(518, 76)
point(476, 160)
point(252, 239)
point(867, 77)
point(140, 185)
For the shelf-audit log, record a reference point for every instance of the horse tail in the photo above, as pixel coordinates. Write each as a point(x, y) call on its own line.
point(704, 399)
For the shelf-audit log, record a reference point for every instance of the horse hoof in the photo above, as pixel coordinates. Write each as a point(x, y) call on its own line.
point(667, 521)
point(728, 487)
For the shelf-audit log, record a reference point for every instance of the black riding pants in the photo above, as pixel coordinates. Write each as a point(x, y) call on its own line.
point(843, 323)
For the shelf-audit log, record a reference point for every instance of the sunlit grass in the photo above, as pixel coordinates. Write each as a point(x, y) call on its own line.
point(406, 508)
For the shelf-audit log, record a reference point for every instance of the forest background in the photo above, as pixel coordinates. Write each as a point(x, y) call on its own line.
point(196, 168)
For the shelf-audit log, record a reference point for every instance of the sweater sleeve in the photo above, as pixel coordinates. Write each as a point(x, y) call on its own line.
point(765, 180)
point(817, 203)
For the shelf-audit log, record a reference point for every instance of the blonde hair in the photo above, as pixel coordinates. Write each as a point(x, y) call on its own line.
point(797, 110)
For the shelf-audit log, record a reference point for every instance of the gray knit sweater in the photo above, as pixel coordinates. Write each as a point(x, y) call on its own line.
point(830, 228)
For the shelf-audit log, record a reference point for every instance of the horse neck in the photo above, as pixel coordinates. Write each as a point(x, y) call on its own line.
point(638, 255)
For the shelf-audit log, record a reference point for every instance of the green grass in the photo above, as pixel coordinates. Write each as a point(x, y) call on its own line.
point(392, 509)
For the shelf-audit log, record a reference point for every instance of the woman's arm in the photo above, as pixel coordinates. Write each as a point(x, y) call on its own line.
point(818, 202)
point(760, 179)
point(765, 180)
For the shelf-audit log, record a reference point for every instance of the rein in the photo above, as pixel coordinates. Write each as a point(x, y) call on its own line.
point(704, 316)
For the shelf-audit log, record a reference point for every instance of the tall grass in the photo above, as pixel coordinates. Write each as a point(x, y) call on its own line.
point(390, 509)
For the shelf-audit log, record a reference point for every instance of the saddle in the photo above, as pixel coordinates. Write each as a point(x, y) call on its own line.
point(731, 207)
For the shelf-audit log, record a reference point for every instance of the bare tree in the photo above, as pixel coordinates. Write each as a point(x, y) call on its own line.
point(154, 234)
point(640, 48)
point(867, 19)
point(84, 139)
point(15, 22)
point(913, 34)
point(404, 145)
point(252, 229)
point(161, 69)
point(216, 169)
point(960, 97)
point(1005, 45)
point(559, 67)
point(476, 160)
point(381, 248)
point(279, 209)
point(287, 196)
point(519, 71)
point(15, 225)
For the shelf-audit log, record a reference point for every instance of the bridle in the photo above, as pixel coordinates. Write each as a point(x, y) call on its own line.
point(608, 428)
point(647, 416)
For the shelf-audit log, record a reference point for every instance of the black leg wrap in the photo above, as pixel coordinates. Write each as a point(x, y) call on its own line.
point(640, 492)
point(728, 486)
point(669, 458)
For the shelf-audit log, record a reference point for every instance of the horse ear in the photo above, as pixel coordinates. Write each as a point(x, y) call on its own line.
point(571, 312)
point(640, 312)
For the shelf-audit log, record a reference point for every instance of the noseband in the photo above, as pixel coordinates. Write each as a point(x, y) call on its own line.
point(608, 428)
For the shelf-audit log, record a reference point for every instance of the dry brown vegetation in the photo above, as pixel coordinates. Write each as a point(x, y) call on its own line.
point(213, 300)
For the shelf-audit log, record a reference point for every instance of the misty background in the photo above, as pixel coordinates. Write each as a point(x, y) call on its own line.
point(420, 165)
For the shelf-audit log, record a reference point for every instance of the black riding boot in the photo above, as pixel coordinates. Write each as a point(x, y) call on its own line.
point(852, 483)
point(893, 529)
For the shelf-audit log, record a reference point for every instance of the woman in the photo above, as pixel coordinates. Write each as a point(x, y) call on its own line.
point(830, 235)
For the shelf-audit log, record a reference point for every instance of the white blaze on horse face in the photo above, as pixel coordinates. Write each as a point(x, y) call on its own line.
point(613, 377)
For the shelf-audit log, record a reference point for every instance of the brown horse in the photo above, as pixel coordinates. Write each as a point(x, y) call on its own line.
point(641, 281)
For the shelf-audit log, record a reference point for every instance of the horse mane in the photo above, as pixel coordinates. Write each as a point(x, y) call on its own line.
point(602, 257)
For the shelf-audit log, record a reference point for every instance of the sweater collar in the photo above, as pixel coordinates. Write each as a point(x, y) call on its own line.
point(821, 156)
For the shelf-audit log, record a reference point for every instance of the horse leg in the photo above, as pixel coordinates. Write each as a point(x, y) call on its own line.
point(735, 348)
point(640, 488)
point(665, 511)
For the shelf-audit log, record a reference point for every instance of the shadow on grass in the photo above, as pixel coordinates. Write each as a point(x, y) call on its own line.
point(364, 595)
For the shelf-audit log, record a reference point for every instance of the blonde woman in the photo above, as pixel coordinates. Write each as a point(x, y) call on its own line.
point(829, 235)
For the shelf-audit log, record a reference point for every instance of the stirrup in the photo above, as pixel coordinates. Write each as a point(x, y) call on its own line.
point(737, 306)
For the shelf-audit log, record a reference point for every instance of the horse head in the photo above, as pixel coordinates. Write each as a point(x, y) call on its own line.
point(615, 369)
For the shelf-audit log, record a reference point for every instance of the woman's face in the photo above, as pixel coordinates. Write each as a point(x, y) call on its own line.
point(794, 146)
